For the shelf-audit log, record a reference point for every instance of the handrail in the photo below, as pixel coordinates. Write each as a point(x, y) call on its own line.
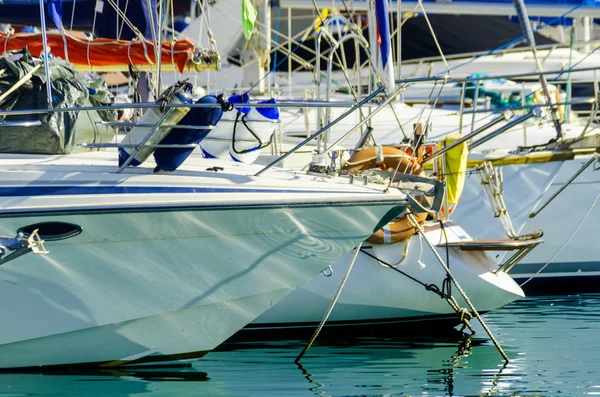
point(589, 101)
point(286, 104)
point(158, 145)
point(173, 126)
point(512, 76)
point(322, 130)
point(148, 105)
point(9, 124)
point(465, 138)
point(135, 145)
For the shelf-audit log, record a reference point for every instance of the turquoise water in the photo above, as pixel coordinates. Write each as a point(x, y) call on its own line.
point(553, 343)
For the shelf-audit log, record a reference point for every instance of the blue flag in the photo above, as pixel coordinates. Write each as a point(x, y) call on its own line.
point(55, 10)
point(385, 62)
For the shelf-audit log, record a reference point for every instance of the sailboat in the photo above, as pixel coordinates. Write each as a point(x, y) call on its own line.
point(143, 267)
point(412, 286)
point(111, 258)
point(534, 167)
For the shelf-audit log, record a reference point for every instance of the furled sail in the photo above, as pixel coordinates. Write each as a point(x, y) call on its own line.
point(123, 30)
point(385, 61)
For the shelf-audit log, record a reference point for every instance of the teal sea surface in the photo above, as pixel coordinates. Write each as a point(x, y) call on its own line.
point(553, 344)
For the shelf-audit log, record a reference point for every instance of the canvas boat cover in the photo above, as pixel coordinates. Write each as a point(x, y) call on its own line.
point(57, 132)
point(110, 54)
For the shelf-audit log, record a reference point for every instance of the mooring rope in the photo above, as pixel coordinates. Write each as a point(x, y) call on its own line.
point(429, 287)
point(414, 223)
point(331, 305)
point(463, 314)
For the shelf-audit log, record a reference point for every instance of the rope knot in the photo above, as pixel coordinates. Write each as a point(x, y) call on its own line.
point(168, 95)
point(226, 106)
point(464, 315)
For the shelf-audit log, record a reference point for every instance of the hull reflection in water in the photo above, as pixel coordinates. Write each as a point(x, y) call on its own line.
point(552, 344)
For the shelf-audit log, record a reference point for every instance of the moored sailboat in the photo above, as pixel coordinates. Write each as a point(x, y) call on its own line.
point(109, 264)
point(150, 267)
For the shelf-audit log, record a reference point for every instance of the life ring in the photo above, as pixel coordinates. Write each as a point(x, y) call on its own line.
point(389, 158)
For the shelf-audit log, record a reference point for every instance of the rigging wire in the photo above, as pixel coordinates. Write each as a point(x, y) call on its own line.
point(433, 35)
point(120, 30)
point(72, 15)
point(173, 38)
point(514, 41)
point(565, 243)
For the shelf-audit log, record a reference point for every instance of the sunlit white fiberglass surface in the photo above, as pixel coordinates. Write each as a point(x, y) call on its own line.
point(568, 259)
point(375, 294)
point(166, 265)
point(514, 62)
point(567, 222)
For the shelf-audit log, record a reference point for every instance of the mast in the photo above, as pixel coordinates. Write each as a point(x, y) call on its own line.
point(374, 47)
point(264, 15)
point(46, 56)
point(528, 32)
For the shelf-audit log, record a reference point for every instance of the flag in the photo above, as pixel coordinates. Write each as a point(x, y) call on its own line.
point(55, 10)
point(385, 61)
point(248, 18)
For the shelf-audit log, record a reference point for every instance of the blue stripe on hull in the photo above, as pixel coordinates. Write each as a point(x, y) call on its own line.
point(23, 191)
point(556, 267)
point(560, 285)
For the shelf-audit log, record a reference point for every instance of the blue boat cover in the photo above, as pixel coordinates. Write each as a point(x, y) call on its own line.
point(171, 159)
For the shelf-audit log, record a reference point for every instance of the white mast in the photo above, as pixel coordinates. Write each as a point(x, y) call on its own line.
point(46, 56)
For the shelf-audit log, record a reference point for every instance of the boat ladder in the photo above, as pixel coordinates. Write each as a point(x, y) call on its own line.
point(491, 180)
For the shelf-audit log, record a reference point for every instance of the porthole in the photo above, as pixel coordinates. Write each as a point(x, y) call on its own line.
point(52, 231)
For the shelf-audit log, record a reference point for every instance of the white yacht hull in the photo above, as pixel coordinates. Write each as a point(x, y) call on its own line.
point(576, 268)
point(376, 294)
point(569, 256)
point(166, 266)
point(511, 63)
